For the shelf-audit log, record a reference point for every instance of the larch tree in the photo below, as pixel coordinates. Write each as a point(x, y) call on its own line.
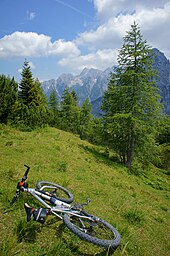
point(131, 102)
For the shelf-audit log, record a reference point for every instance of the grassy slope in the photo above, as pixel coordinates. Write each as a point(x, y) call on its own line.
point(138, 206)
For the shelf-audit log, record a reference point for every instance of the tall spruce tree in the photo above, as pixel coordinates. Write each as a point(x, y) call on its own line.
point(70, 111)
point(30, 92)
point(26, 84)
point(53, 101)
point(131, 103)
point(32, 105)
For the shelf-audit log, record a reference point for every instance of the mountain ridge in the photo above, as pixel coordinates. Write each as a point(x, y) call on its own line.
point(91, 83)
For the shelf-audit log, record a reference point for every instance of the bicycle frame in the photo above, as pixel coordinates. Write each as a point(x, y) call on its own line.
point(59, 208)
point(78, 221)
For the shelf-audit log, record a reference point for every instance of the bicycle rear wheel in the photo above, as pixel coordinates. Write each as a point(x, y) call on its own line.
point(55, 191)
point(95, 230)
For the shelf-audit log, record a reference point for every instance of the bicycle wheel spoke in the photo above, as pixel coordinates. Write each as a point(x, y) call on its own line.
point(92, 228)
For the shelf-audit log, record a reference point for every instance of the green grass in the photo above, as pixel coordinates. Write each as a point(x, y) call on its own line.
point(138, 206)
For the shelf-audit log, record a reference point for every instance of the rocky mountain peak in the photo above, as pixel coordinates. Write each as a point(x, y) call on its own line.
point(92, 82)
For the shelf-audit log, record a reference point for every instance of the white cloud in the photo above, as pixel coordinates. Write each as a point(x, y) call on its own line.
point(109, 8)
point(26, 44)
point(107, 35)
point(100, 59)
point(154, 24)
point(114, 19)
point(61, 48)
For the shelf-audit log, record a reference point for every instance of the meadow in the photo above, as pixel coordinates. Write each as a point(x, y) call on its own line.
point(138, 205)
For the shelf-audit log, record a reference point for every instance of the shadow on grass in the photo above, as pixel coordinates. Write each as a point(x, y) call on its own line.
point(74, 247)
point(27, 232)
point(103, 156)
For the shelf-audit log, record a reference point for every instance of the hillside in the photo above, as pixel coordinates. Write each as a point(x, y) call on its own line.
point(137, 205)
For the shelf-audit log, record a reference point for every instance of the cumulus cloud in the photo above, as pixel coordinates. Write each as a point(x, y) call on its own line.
point(108, 34)
point(106, 9)
point(101, 44)
point(26, 44)
point(100, 59)
point(154, 23)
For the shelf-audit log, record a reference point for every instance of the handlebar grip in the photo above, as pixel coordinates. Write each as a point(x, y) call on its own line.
point(26, 173)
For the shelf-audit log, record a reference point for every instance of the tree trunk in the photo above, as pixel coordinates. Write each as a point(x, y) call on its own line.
point(130, 152)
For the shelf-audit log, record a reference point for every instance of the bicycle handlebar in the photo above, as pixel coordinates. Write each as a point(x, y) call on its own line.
point(21, 184)
point(26, 173)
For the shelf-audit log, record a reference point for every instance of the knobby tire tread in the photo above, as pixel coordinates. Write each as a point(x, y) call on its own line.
point(112, 244)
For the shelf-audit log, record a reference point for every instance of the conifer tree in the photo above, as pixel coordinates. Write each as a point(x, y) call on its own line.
point(53, 101)
point(85, 119)
point(8, 97)
point(26, 84)
point(131, 103)
point(69, 111)
point(30, 92)
point(54, 108)
point(32, 105)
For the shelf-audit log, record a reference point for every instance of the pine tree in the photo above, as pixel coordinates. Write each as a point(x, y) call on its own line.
point(32, 105)
point(85, 119)
point(26, 84)
point(69, 111)
point(131, 102)
point(54, 108)
point(30, 92)
point(53, 101)
point(8, 97)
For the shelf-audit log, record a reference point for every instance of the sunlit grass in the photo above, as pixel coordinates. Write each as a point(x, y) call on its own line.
point(138, 206)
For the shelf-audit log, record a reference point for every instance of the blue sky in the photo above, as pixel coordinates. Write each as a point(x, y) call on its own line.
point(61, 36)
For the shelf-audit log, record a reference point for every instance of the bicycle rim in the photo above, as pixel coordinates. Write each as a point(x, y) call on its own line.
point(55, 191)
point(98, 232)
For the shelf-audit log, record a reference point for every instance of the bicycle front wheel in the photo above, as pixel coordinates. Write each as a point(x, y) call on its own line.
point(93, 230)
point(55, 191)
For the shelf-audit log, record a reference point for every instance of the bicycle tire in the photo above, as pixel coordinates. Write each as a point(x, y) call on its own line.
point(73, 223)
point(67, 197)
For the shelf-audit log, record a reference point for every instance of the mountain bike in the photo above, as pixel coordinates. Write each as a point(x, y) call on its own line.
point(58, 201)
